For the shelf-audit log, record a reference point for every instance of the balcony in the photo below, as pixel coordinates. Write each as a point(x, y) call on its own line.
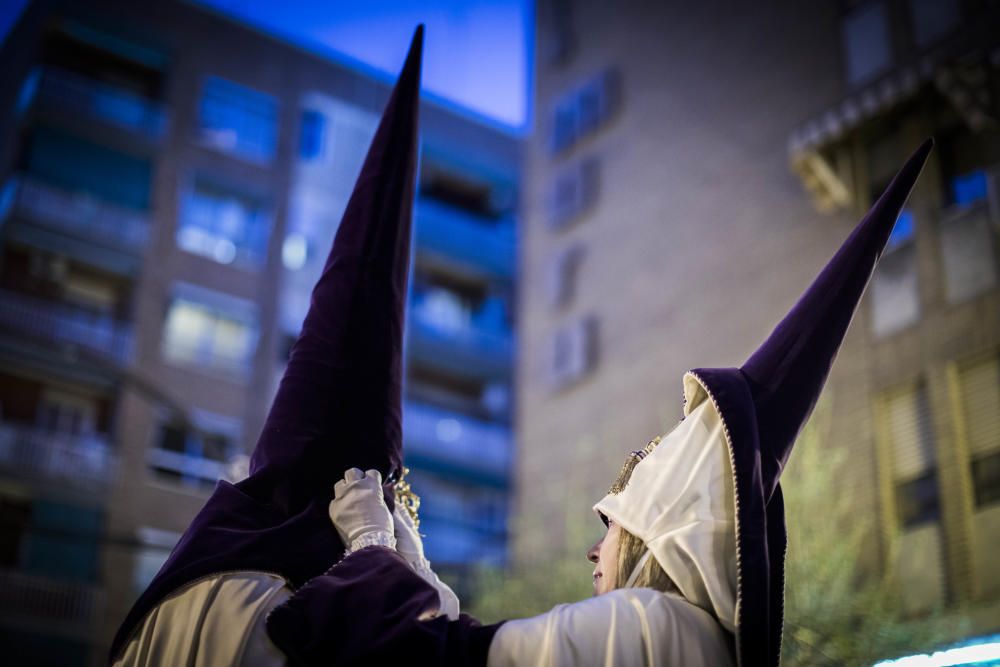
point(476, 351)
point(439, 439)
point(97, 226)
point(66, 92)
point(28, 596)
point(190, 469)
point(82, 462)
point(454, 237)
point(37, 319)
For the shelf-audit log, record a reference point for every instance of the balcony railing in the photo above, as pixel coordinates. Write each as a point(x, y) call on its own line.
point(62, 323)
point(77, 94)
point(457, 440)
point(475, 350)
point(80, 214)
point(193, 468)
point(85, 462)
point(37, 597)
point(482, 246)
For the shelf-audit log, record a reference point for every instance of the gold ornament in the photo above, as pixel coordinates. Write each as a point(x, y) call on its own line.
point(406, 498)
point(631, 461)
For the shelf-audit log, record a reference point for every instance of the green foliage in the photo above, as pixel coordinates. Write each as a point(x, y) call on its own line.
point(835, 612)
point(561, 574)
point(527, 592)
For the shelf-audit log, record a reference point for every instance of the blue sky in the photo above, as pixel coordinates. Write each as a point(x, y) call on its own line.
point(476, 53)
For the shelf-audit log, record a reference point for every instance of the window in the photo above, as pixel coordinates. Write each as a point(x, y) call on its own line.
point(585, 110)
point(69, 163)
point(238, 120)
point(865, 32)
point(64, 413)
point(573, 352)
point(911, 441)
point(986, 478)
point(201, 455)
point(190, 457)
point(442, 309)
point(562, 271)
point(15, 522)
point(906, 444)
point(574, 191)
point(902, 231)
point(311, 134)
point(223, 225)
point(970, 188)
point(979, 387)
point(917, 500)
point(968, 253)
point(64, 540)
point(333, 140)
point(220, 334)
point(932, 19)
point(895, 295)
point(475, 197)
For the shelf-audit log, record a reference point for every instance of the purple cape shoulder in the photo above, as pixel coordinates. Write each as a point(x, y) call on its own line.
point(367, 610)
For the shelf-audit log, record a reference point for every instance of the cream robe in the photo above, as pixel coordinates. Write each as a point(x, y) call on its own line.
point(628, 626)
point(212, 622)
point(219, 622)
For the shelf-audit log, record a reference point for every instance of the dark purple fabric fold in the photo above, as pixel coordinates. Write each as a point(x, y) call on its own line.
point(366, 611)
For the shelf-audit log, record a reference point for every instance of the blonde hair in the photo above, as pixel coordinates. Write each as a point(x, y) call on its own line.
point(630, 550)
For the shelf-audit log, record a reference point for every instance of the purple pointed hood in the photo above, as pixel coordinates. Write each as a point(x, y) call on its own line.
point(339, 402)
point(765, 403)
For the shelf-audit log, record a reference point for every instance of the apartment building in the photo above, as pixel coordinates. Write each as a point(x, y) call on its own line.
point(172, 181)
point(693, 166)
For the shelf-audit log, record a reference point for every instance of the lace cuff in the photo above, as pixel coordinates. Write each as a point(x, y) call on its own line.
point(374, 538)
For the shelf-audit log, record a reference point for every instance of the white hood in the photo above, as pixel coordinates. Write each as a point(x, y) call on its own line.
point(679, 502)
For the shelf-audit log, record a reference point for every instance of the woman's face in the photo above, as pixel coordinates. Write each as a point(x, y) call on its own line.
point(604, 554)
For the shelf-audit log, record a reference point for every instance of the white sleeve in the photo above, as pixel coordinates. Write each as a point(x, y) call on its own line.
point(215, 621)
point(632, 626)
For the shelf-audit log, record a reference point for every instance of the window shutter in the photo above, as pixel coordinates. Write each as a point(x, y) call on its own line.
point(909, 423)
point(980, 391)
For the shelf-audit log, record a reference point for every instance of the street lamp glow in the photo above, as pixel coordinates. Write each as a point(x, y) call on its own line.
point(974, 654)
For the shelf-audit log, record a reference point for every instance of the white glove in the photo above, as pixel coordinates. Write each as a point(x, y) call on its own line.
point(358, 510)
point(410, 546)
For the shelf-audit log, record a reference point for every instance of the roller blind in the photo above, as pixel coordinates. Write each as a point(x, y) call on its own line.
point(980, 392)
point(910, 434)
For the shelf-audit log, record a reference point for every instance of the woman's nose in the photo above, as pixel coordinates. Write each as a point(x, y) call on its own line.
point(595, 551)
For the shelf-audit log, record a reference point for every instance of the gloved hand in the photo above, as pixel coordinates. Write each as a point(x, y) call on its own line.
point(358, 510)
point(410, 546)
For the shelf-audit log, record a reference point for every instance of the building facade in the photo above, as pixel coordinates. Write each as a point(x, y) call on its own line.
point(693, 167)
point(172, 181)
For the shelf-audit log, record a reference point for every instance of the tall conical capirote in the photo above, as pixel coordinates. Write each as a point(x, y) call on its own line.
point(339, 402)
point(787, 372)
point(765, 403)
